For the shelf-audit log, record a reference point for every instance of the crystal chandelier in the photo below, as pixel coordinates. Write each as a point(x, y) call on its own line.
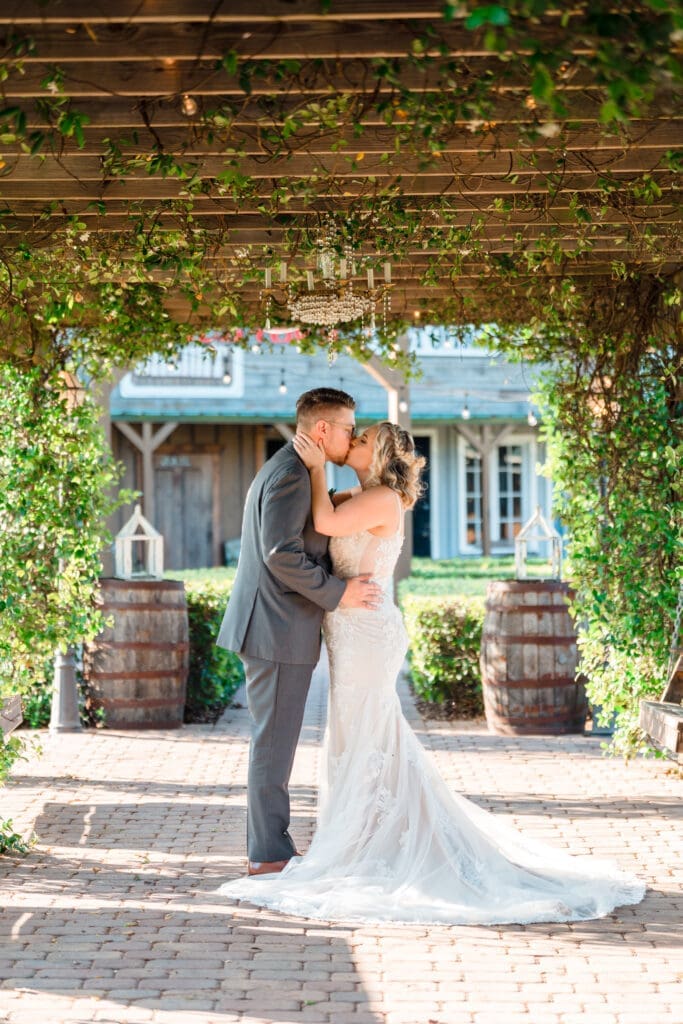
point(341, 290)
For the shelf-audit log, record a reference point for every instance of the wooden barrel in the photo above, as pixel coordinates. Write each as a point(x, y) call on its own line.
point(529, 660)
point(137, 668)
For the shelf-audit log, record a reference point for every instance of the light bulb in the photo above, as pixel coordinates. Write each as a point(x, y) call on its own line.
point(531, 418)
point(403, 405)
point(188, 105)
point(283, 387)
point(227, 377)
point(255, 348)
point(465, 411)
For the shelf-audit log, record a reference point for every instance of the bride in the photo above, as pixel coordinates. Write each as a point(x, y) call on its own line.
point(393, 843)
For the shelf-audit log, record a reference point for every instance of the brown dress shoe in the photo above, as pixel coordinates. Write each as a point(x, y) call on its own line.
point(265, 867)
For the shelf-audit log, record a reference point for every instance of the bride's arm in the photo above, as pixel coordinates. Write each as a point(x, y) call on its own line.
point(339, 497)
point(363, 511)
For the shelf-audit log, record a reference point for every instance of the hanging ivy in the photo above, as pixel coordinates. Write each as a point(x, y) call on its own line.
point(56, 481)
point(77, 295)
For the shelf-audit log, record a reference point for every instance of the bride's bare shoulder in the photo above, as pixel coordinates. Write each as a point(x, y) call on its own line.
point(372, 507)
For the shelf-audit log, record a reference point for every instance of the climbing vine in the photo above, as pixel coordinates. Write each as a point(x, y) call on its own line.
point(539, 74)
point(56, 478)
point(613, 418)
point(80, 293)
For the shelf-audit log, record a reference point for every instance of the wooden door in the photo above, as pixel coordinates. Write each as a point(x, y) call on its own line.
point(422, 534)
point(184, 492)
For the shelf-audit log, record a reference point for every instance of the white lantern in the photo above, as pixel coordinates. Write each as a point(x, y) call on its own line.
point(538, 529)
point(138, 550)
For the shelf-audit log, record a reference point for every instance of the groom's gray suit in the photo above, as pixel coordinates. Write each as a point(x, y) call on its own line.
point(282, 587)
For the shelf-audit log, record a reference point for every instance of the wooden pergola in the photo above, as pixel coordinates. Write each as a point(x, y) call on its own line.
point(498, 159)
point(267, 116)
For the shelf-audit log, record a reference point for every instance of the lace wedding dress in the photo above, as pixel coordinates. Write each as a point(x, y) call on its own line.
point(393, 843)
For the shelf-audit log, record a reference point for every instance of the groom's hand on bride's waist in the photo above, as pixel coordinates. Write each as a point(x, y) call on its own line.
point(361, 592)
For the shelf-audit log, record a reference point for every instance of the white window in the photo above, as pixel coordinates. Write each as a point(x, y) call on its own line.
point(472, 498)
point(510, 499)
point(200, 371)
point(440, 341)
point(513, 492)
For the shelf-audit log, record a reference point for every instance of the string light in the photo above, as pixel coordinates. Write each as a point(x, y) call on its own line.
point(227, 365)
point(283, 385)
point(465, 409)
point(531, 418)
point(402, 402)
point(188, 105)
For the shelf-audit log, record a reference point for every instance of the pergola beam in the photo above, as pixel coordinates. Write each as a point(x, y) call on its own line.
point(42, 188)
point(180, 135)
point(295, 113)
point(489, 164)
point(91, 78)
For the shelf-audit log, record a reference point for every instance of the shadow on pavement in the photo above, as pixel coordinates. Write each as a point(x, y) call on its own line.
point(174, 960)
point(164, 827)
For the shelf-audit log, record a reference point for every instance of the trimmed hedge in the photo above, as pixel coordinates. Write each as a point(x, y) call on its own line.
point(214, 673)
point(445, 637)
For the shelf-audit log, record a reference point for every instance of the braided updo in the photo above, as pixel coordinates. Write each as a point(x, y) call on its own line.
point(396, 463)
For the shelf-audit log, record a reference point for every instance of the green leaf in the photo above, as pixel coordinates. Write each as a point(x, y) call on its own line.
point(230, 62)
point(489, 14)
point(542, 85)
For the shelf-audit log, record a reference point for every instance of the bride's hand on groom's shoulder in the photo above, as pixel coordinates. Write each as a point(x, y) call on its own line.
point(309, 452)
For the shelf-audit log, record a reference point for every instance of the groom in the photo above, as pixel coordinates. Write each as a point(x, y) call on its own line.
point(282, 588)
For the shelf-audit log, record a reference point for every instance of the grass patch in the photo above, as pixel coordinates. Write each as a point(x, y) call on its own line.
point(219, 574)
point(466, 576)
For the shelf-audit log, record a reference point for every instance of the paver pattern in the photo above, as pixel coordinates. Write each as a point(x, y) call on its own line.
point(113, 918)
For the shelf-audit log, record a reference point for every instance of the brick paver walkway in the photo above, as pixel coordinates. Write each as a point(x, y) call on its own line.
point(113, 917)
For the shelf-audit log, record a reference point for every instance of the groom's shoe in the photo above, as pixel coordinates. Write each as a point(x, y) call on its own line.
point(265, 867)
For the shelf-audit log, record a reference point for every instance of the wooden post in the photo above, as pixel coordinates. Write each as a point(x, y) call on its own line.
point(485, 500)
point(284, 430)
point(147, 443)
point(259, 438)
point(147, 472)
point(398, 411)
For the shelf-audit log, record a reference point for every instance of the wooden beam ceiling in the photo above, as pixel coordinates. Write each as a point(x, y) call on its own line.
point(293, 111)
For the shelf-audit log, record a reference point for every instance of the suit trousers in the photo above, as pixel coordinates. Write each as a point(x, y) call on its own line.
point(276, 698)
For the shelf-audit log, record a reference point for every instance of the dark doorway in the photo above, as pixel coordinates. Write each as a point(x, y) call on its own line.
point(274, 444)
point(422, 538)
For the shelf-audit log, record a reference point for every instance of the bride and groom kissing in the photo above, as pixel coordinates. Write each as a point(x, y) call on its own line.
point(392, 843)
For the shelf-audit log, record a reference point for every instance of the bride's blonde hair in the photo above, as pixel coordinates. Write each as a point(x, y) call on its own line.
point(396, 464)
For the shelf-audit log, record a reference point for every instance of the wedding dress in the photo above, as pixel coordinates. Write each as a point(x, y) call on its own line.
point(393, 843)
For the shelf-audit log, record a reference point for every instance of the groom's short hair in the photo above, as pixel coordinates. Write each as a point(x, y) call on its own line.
point(320, 402)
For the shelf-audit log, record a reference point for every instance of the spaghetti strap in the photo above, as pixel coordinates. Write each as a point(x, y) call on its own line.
point(401, 521)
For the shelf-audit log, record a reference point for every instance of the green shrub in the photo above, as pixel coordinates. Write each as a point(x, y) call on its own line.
point(57, 475)
point(445, 636)
point(214, 673)
point(37, 702)
point(616, 468)
point(12, 749)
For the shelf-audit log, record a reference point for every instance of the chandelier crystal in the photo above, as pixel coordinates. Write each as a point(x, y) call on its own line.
point(341, 289)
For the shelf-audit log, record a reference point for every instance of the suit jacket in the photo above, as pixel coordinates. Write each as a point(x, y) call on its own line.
point(283, 583)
